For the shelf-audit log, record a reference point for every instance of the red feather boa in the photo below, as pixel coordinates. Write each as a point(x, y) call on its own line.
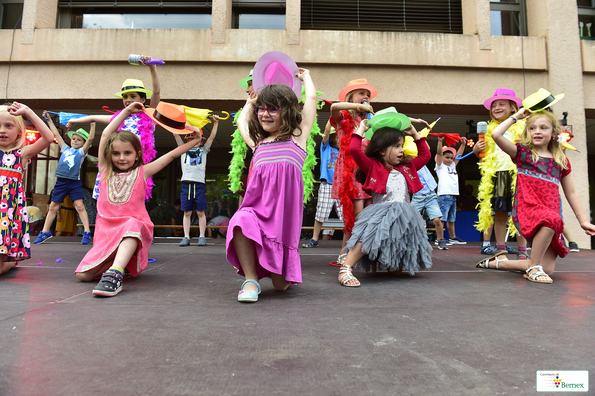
point(347, 190)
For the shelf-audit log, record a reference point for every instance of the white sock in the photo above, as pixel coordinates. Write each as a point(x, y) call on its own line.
point(486, 243)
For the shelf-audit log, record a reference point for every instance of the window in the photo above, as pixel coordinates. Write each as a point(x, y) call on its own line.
point(440, 16)
point(11, 14)
point(258, 14)
point(165, 14)
point(508, 18)
point(586, 19)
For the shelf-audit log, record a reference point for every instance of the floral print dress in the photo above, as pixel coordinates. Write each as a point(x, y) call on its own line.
point(14, 222)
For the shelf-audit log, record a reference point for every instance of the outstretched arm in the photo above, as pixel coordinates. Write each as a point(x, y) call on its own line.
point(461, 149)
point(112, 127)
point(161, 162)
point(53, 128)
point(439, 152)
point(575, 203)
point(243, 120)
point(47, 137)
point(498, 133)
point(89, 141)
point(213, 134)
point(309, 109)
point(337, 108)
point(156, 96)
point(100, 119)
point(327, 132)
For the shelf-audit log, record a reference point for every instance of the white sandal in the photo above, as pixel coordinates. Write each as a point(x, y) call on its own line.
point(533, 277)
point(345, 276)
point(485, 263)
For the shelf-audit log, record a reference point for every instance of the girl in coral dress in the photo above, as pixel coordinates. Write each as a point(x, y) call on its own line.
point(541, 168)
point(123, 229)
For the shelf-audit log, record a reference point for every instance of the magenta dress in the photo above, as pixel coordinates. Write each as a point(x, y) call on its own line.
point(121, 213)
point(271, 213)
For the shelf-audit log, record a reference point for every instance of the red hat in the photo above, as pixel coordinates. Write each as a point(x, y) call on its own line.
point(358, 83)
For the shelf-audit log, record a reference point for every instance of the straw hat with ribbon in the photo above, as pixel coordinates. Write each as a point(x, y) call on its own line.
point(170, 116)
point(540, 100)
point(354, 85)
point(133, 85)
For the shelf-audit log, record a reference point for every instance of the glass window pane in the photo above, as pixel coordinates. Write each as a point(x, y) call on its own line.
point(586, 27)
point(262, 21)
point(146, 21)
point(11, 15)
point(505, 23)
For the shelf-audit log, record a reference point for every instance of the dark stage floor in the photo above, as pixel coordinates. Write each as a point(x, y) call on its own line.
point(178, 329)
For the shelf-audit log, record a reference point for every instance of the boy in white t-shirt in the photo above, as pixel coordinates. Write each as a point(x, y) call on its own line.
point(448, 186)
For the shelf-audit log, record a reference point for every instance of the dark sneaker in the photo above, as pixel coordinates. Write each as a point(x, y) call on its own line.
point(488, 250)
point(43, 236)
point(185, 242)
point(86, 238)
point(310, 244)
point(573, 247)
point(442, 244)
point(437, 243)
point(522, 255)
point(202, 241)
point(109, 285)
point(457, 241)
point(511, 250)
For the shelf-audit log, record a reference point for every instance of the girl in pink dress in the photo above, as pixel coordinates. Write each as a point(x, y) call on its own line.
point(542, 168)
point(123, 229)
point(263, 235)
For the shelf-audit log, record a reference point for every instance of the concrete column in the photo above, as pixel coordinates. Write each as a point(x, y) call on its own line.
point(557, 21)
point(293, 17)
point(37, 14)
point(220, 20)
point(475, 11)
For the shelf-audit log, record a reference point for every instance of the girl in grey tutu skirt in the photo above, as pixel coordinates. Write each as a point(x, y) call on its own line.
point(389, 234)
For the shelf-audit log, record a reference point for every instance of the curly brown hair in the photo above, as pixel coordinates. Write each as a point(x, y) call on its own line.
point(278, 96)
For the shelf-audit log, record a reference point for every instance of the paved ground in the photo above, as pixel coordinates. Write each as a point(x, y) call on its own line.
point(178, 330)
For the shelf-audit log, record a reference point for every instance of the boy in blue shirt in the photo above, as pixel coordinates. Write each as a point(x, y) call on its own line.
point(68, 174)
point(329, 153)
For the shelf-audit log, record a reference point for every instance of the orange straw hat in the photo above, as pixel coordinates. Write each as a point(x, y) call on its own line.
point(358, 83)
point(170, 116)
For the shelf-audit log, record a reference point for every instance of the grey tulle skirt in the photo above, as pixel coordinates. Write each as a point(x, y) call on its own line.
point(392, 234)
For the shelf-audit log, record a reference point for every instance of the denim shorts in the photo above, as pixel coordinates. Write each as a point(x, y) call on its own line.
point(448, 207)
point(429, 202)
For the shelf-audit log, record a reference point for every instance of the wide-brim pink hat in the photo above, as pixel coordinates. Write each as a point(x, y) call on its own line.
point(503, 94)
point(354, 85)
point(276, 67)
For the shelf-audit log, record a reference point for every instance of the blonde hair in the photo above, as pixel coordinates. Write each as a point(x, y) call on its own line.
point(513, 104)
point(20, 141)
point(348, 97)
point(124, 137)
point(553, 146)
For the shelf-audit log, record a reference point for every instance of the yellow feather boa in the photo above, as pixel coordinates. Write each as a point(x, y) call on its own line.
point(487, 168)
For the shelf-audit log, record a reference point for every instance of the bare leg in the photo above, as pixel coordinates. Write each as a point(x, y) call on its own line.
point(51, 216)
point(279, 282)
point(521, 240)
point(317, 228)
point(500, 226)
point(439, 228)
point(121, 258)
point(80, 208)
point(6, 266)
point(358, 206)
point(186, 223)
point(451, 229)
point(202, 222)
point(246, 252)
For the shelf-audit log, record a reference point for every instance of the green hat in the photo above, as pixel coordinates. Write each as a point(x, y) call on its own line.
point(81, 132)
point(244, 81)
point(388, 117)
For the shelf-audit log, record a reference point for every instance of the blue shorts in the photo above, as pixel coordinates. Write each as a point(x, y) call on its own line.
point(65, 187)
point(193, 196)
point(448, 207)
point(429, 202)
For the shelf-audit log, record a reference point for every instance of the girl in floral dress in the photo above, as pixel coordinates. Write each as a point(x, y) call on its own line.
point(14, 156)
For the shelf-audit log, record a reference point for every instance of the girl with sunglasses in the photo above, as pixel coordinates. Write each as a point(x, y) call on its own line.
point(263, 235)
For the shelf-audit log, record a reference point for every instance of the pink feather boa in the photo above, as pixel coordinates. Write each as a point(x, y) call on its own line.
point(146, 128)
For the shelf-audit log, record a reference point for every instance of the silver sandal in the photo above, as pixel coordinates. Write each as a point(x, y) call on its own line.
point(345, 276)
point(533, 277)
point(485, 263)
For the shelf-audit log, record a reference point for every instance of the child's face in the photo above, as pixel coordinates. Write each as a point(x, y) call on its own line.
point(447, 158)
point(541, 131)
point(270, 123)
point(123, 155)
point(77, 142)
point(501, 109)
point(250, 88)
point(360, 96)
point(393, 155)
point(131, 97)
point(9, 131)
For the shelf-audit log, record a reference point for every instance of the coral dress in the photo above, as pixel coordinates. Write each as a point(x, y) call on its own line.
point(14, 222)
point(537, 199)
point(271, 213)
point(121, 213)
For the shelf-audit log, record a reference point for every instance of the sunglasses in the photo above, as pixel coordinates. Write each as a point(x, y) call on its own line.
point(273, 111)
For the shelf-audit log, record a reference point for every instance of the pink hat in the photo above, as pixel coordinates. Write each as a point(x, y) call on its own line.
point(502, 93)
point(444, 150)
point(354, 85)
point(275, 67)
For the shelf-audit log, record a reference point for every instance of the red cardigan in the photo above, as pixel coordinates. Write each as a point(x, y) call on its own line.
point(377, 173)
